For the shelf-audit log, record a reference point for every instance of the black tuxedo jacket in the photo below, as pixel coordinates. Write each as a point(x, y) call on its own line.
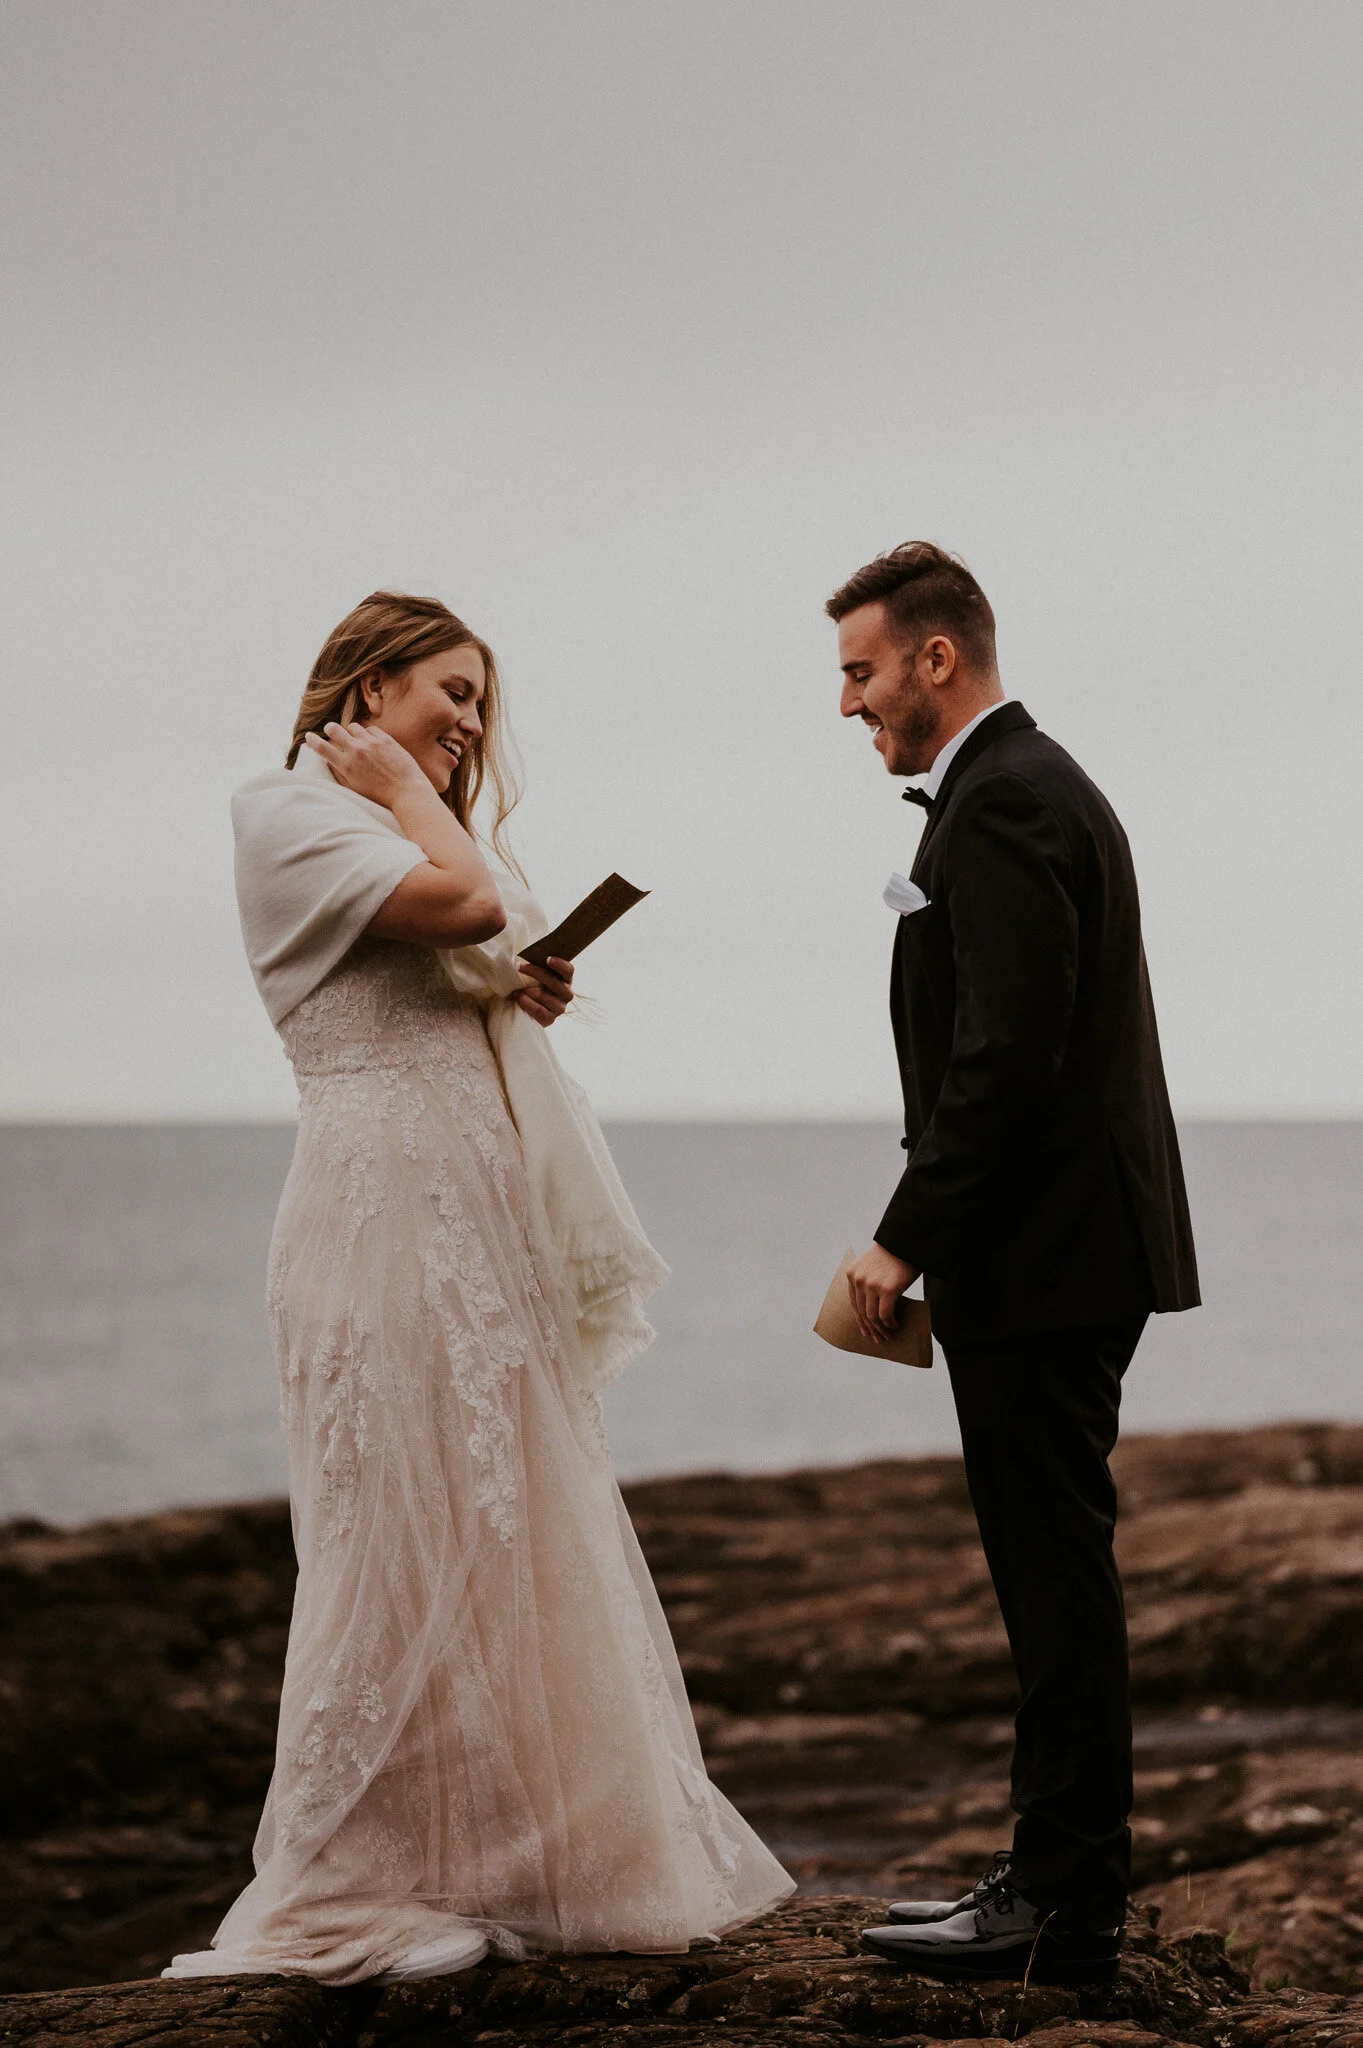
point(1044, 1187)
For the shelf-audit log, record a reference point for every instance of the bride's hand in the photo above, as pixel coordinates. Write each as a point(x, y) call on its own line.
point(548, 992)
point(369, 761)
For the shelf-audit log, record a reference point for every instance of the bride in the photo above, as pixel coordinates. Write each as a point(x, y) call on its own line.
point(483, 1734)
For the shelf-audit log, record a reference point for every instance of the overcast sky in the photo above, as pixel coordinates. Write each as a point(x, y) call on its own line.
point(630, 331)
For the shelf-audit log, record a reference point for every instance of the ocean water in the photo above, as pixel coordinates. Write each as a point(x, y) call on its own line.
point(135, 1370)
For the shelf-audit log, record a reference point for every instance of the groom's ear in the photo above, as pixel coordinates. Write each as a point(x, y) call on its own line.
point(937, 661)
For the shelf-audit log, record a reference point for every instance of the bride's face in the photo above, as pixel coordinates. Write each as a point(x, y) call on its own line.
point(433, 710)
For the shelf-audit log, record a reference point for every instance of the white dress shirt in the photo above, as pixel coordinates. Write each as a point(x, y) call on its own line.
point(936, 776)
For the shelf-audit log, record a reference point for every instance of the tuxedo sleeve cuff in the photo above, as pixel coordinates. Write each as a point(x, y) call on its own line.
point(894, 1241)
point(917, 1233)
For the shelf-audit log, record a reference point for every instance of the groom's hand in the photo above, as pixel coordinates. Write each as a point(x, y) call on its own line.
point(875, 1284)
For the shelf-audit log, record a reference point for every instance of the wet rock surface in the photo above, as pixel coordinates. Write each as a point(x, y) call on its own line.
point(852, 1690)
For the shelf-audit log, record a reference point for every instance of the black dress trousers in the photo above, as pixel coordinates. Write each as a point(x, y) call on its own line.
point(1038, 1415)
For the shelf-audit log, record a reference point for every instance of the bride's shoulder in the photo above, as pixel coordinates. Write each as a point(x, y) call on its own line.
point(263, 794)
point(301, 816)
point(256, 785)
point(281, 808)
point(308, 782)
point(309, 771)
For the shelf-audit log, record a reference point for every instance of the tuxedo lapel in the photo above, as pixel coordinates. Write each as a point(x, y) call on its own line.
point(1008, 718)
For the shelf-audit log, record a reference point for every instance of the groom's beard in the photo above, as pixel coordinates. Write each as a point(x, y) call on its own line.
point(917, 721)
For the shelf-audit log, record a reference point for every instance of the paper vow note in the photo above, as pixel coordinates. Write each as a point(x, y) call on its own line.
point(910, 1345)
point(594, 914)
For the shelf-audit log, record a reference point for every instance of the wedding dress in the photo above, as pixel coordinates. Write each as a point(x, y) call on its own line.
point(483, 1733)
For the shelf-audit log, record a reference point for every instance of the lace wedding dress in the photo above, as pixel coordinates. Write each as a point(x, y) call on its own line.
point(483, 1730)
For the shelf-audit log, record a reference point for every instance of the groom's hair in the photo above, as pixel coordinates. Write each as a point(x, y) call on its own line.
point(924, 591)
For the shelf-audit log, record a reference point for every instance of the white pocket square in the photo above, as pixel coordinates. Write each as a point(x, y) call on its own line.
point(904, 896)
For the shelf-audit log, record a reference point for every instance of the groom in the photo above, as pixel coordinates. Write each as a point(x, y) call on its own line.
point(1043, 1200)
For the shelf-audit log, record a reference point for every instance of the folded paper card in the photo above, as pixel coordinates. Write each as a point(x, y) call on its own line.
point(594, 914)
point(911, 1343)
point(904, 896)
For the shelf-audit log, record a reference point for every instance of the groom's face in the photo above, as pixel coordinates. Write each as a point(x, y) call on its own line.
point(882, 685)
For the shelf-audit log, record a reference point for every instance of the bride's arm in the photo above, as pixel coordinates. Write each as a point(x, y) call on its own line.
point(451, 899)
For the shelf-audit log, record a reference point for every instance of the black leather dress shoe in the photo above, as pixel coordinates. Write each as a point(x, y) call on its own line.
point(1002, 1935)
point(920, 1912)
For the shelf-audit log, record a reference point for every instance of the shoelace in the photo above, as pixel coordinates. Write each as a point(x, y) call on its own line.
point(995, 1873)
point(994, 1890)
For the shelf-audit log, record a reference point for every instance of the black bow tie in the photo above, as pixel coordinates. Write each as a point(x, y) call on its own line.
point(919, 796)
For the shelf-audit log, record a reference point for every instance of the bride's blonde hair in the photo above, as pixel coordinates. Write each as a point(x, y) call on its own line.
point(383, 637)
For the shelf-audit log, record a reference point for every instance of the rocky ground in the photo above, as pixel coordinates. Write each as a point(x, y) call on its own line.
point(799, 1977)
point(852, 1689)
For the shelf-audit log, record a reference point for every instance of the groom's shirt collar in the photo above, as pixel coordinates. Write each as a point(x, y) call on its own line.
point(937, 774)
